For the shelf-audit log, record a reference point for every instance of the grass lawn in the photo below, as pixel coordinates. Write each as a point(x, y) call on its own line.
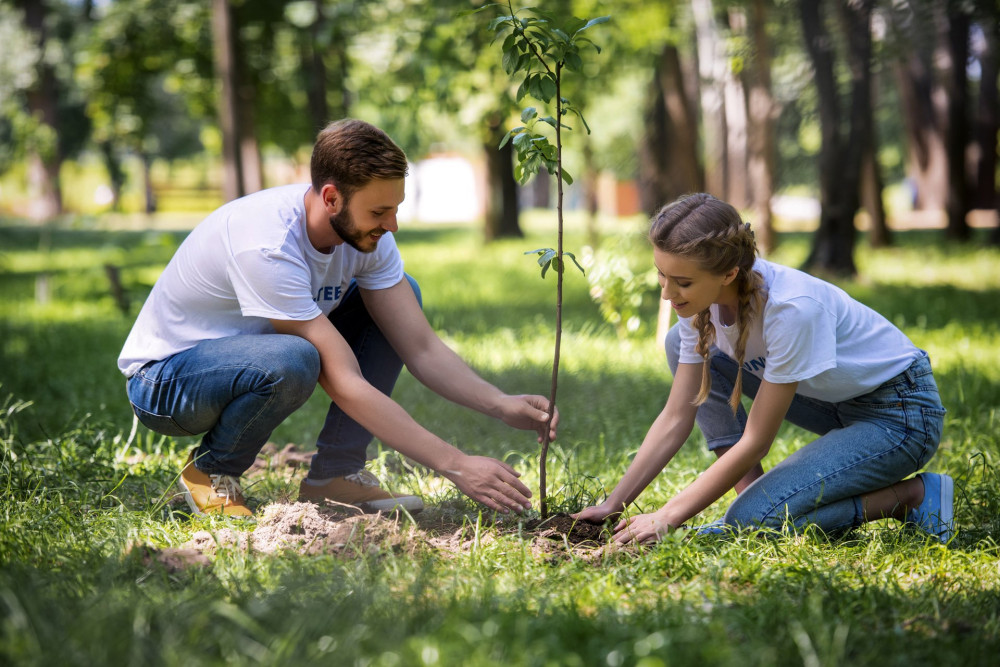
point(100, 565)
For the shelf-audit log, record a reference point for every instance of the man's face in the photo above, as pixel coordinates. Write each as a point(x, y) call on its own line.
point(368, 214)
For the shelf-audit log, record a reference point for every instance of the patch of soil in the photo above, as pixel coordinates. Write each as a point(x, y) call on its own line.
point(564, 527)
point(310, 529)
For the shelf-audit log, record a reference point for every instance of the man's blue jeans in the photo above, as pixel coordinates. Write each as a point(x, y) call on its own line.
point(237, 390)
point(866, 443)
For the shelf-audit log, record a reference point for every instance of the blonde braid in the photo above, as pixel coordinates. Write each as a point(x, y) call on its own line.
point(750, 286)
point(706, 336)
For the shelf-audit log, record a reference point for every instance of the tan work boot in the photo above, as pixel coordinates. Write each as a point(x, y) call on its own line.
point(212, 494)
point(363, 490)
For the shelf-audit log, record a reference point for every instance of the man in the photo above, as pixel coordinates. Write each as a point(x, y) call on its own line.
point(298, 284)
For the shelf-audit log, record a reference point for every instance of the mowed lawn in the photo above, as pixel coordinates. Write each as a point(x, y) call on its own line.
point(99, 563)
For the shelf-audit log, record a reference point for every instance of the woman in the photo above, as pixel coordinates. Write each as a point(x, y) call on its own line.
point(804, 351)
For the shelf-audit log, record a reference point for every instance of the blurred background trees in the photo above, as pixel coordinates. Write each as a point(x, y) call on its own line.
point(872, 108)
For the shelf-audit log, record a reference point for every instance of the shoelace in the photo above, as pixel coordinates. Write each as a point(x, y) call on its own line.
point(226, 486)
point(363, 477)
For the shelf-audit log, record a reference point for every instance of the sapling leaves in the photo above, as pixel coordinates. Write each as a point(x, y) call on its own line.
point(539, 47)
point(549, 257)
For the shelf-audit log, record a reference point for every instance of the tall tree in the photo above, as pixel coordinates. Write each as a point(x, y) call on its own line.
point(843, 141)
point(230, 117)
point(44, 156)
point(954, 22)
point(668, 155)
point(761, 112)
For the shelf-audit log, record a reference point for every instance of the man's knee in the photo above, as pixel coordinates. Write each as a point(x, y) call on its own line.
point(297, 368)
point(416, 289)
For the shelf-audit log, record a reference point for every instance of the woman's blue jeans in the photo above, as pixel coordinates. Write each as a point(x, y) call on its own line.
point(237, 390)
point(865, 444)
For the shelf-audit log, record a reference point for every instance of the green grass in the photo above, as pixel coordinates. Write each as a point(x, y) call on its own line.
point(79, 498)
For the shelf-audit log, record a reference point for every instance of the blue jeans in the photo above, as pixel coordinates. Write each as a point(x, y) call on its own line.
point(866, 444)
point(237, 390)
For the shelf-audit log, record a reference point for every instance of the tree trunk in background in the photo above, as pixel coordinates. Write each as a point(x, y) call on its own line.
point(954, 26)
point(311, 55)
point(872, 184)
point(737, 185)
point(541, 189)
point(879, 235)
point(501, 218)
point(224, 51)
point(761, 113)
point(987, 112)
point(712, 72)
point(668, 158)
point(840, 155)
point(45, 160)
point(927, 160)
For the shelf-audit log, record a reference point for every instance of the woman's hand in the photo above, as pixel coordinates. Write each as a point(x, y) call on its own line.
point(642, 528)
point(598, 513)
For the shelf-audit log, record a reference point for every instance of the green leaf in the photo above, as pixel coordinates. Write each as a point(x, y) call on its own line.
point(509, 62)
point(548, 87)
point(573, 257)
point(536, 251)
point(573, 61)
point(566, 177)
point(593, 22)
point(528, 113)
point(546, 256)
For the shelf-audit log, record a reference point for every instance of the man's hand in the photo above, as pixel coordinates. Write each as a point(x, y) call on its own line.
point(642, 528)
point(491, 482)
point(598, 513)
point(528, 412)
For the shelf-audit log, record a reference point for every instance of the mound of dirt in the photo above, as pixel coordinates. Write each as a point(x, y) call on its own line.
point(311, 530)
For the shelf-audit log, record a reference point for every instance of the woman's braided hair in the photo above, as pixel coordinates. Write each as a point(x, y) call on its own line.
point(710, 232)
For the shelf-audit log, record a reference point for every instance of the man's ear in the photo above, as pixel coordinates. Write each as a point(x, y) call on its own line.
point(332, 198)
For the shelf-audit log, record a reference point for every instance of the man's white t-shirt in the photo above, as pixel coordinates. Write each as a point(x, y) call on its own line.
point(813, 333)
point(247, 263)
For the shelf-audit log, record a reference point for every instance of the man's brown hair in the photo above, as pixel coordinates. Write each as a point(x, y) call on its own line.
point(351, 153)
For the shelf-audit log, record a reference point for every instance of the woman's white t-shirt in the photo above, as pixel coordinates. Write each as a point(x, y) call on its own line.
point(247, 263)
point(813, 333)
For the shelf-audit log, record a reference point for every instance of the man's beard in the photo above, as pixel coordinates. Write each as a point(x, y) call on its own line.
point(343, 224)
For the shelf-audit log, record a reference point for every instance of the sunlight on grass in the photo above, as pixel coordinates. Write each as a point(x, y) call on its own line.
point(86, 504)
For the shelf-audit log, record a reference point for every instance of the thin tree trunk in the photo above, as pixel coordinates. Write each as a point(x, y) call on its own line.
point(502, 211)
point(760, 135)
point(42, 100)
point(229, 109)
point(927, 162)
point(988, 110)
point(315, 69)
point(955, 28)
point(712, 70)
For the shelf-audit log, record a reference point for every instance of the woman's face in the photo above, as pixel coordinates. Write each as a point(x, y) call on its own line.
point(688, 288)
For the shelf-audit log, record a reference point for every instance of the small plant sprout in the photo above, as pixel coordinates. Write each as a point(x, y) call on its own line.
point(538, 47)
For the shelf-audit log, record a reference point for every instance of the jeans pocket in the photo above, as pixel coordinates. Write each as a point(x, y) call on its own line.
point(933, 422)
point(162, 424)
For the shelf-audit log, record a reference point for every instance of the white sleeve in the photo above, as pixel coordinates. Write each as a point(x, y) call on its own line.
point(689, 342)
point(272, 284)
point(801, 340)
